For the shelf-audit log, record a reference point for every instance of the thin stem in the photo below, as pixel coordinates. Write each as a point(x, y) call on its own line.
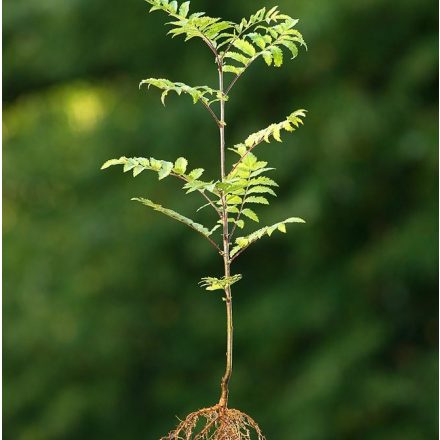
point(238, 253)
point(209, 239)
point(210, 45)
point(214, 116)
point(228, 297)
point(239, 75)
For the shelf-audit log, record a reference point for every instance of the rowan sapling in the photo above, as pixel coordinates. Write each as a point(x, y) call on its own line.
point(234, 46)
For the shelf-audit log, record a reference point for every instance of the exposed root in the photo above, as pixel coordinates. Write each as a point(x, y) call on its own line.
point(216, 423)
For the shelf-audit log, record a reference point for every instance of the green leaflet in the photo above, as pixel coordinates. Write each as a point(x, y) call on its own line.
point(292, 47)
point(196, 173)
point(175, 215)
point(263, 180)
point(259, 189)
point(180, 165)
point(244, 242)
point(233, 69)
point(239, 223)
point(257, 39)
point(111, 162)
point(237, 57)
point(267, 56)
point(184, 8)
point(277, 55)
point(198, 93)
point(165, 169)
point(245, 47)
point(212, 283)
point(250, 214)
point(254, 199)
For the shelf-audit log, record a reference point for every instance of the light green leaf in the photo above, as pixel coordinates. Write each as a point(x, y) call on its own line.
point(282, 228)
point(244, 46)
point(180, 165)
point(163, 96)
point(240, 223)
point(112, 162)
point(156, 165)
point(259, 189)
point(232, 209)
point(165, 170)
point(233, 69)
point(257, 39)
point(129, 165)
point(184, 8)
point(237, 57)
point(267, 56)
point(173, 6)
point(233, 200)
point(271, 11)
point(250, 214)
point(196, 173)
point(276, 134)
point(292, 47)
point(263, 180)
point(254, 199)
point(277, 56)
point(137, 170)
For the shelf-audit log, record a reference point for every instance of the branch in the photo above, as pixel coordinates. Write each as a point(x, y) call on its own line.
point(211, 46)
point(237, 254)
point(214, 116)
point(202, 230)
point(239, 75)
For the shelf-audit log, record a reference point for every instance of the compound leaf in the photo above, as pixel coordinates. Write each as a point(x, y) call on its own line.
point(243, 242)
point(174, 215)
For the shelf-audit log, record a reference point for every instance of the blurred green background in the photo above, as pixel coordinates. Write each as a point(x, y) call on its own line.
point(106, 333)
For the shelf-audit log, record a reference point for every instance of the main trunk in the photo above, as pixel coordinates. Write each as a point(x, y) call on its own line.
point(228, 298)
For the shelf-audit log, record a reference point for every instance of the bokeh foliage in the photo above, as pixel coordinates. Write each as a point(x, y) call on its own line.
point(106, 333)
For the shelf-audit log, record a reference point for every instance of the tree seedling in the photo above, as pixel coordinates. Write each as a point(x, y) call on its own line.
point(232, 197)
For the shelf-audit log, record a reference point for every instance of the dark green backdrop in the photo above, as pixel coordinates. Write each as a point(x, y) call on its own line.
point(106, 334)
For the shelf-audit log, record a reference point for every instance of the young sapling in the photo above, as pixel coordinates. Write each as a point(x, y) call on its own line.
point(232, 196)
